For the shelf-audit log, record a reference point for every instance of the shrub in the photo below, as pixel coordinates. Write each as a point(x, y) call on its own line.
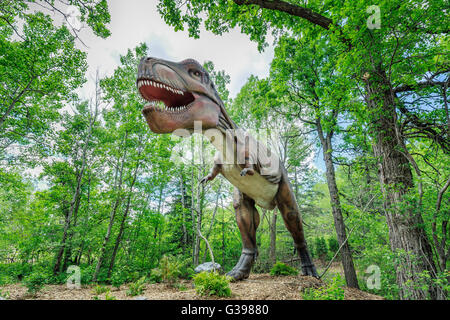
point(332, 291)
point(320, 247)
point(98, 290)
point(13, 272)
point(170, 269)
point(155, 275)
point(4, 294)
point(87, 274)
point(333, 245)
point(212, 283)
point(117, 279)
point(186, 268)
point(282, 269)
point(108, 296)
point(136, 288)
point(35, 281)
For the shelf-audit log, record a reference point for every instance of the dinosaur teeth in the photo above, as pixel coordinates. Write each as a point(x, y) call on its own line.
point(155, 84)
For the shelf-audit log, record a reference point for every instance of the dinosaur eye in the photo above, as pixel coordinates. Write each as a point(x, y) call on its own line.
point(196, 73)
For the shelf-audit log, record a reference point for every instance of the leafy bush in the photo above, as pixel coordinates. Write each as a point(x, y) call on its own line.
point(282, 269)
point(332, 291)
point(87, 274)
point(186, 268)
point(333, 245)
point(155, 275)
point(117, 279)
point(212, 283)
point(4, 294)
point(136, 288)
point(98, 290)
point(60, 278)
point(36, 281)
point(108, 296)
point(12, 272)
point(170, 270)
point(320, 247)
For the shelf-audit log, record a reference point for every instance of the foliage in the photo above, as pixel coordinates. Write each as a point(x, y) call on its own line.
point(36, 280)
point(282, 269)
point(136, 288)
point(155, 275)
point(110, 198)
point(320, 247)
point(99, 289)
point(212, 284)
point(108, 296)
point(170, 270)
point(4, 294)
point(332, 291)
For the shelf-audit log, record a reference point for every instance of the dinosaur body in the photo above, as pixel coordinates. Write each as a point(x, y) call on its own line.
point(262, 185)
point(181, 96)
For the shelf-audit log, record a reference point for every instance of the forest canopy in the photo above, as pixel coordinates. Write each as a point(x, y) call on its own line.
point(363, 88)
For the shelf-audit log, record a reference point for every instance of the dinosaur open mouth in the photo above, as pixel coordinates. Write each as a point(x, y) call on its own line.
point(163, 97)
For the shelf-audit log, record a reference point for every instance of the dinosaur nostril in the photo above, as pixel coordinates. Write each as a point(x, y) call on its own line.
point(148, 59)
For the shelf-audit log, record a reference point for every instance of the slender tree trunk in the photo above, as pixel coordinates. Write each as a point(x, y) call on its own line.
point(198, 227)
point(208, 233)
point(76, 195)
point(346, 254)
point(125, 215)
point(112, 216)
point(273, 238)
point(183, 213)
point(195, 236)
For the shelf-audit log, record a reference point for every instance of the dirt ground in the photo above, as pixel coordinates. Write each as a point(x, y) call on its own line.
point(256, 287)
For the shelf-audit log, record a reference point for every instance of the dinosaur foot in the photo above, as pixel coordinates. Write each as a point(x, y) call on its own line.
point(242, 269)
point(308, 267)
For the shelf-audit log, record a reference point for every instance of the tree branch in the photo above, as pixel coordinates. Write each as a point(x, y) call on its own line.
point(290, 9)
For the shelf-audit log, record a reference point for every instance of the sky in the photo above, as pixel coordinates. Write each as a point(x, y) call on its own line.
point(136, 21)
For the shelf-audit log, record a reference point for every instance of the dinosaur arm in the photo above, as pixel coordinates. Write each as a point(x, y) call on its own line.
point(248, 165)
point(216, 169)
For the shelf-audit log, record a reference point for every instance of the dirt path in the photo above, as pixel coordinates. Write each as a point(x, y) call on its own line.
point(257, 287)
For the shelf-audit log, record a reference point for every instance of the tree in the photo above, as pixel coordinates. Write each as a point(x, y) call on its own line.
point(39, 65)
point(316, 90)
point(411, 38)
point(38, 75)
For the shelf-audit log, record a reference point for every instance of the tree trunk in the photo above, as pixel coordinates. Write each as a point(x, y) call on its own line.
point(125, 215)
point(273, 239)
point(183, 213)
point(211, 224)
point(346, 254)
point(407, 235)
point(113, 213)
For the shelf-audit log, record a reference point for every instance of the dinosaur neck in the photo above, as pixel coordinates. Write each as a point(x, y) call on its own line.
point(225, 122)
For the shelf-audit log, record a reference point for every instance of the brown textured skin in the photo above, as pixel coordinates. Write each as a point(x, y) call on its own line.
point(207, 107)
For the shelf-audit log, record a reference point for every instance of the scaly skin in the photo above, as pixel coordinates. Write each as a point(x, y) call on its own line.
point(187, 95)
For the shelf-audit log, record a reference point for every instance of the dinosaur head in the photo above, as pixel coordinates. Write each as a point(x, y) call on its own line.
point(178, 94)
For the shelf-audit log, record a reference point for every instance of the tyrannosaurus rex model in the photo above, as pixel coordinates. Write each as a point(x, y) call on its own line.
point(181, 96)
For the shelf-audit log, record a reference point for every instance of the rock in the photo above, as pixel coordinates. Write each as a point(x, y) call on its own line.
point(208, 267)
point(141, 298)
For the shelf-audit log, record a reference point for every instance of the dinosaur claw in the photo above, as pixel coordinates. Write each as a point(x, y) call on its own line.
point(246, 171)
point(205, 179)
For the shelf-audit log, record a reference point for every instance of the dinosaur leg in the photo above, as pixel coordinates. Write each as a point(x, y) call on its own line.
point(247, 218)
point(292, 219)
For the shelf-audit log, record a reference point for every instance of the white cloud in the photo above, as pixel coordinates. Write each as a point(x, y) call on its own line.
point(136, 21)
